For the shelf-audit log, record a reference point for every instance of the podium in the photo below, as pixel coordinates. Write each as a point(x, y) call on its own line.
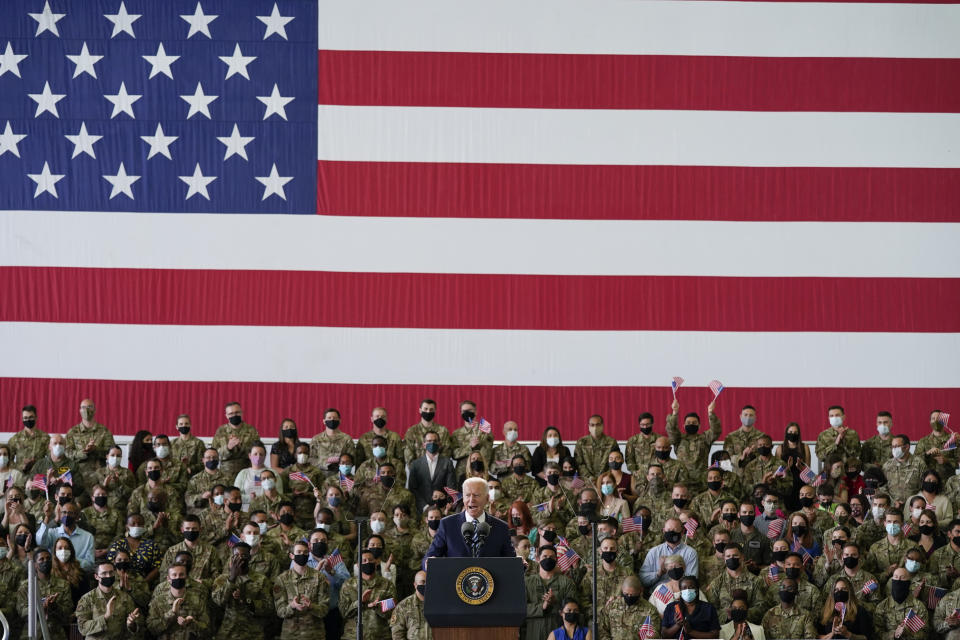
point(475, 598)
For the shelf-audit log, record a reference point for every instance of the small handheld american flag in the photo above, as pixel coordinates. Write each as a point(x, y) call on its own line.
point(951, 442)
point(914, 621)
point(807, 474)
point(40, 482)
point(943, 418)
point(716, 386)
point(632, 524)
point(906, 529)
point(566, 560)
point(663, 594)
point(454, 494)
point(646, 629)
point(346, 482)
point(387, 605)
point(780, 472)
point(299, 476)
point(676, 384)
point(841, 608)
point(775, 528)
point(541, 507)
point(577, 482)
point(774, 573)
point(335, 559)
point(799, 548)
point(934, 596)
point(484, 426)
point(869, 587)
point(67, 477)
point(233, 540)
point(691, 527)
point(257, 483)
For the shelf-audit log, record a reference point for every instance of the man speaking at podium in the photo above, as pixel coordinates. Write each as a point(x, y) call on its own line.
point(472, 532)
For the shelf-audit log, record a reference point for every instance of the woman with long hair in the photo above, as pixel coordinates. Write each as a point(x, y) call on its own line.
point(611, 504)
point(21, 542)
point(550, 449)
point(283, 452)
point(520, 518)
point(800, 533)
point(141, 450)
point(927, 534)
point(66, 566)
point(571, 628)
point(842, 616)
point(145, 554)
point(795, 455)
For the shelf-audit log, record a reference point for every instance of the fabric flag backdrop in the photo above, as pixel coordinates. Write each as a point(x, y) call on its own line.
point(549, 209)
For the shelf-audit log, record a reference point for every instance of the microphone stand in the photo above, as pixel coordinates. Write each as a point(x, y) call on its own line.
point(359, 522)
point(588, 511)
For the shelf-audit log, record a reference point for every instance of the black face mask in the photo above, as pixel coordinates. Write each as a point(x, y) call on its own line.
point(468, 416)
point(841, 596)
point(850, 562)
point(289, 433)
point(107, 581)
point(691, 428)
point(548, 564)
point(956, 541)
point(680, 503)
point(630, 600)
point(380, 423)
point(64, 500)
point(608, 556)
point(212, 464)
point(571, 616)
point(431, 447)
point(516, 521)
point(234, 506)
point(154, 507)
point(422, 589)
point(729, 517)
point(549, 535)
point(286, 519)
point(183, 430)
point(553, 479)
point(673, 537)
point(368, 568)
point(715, 485)
point(661, 455)
point(792, 572)
point(331, 424)
point(300, 558)
point(387, 481)
point(376, 551)
point(178, 583)
point(122, 566)
point(567, 473)
point(68, 521)
point(732, 563)
point(191, 536)
point(675, 573)
point(764, 451)
point(646, 430)
point(427, 415)
point(155, 474)
point(931, 487)
point(44, 566)
point(806, 502)
point(319, 549)
point(852, 474)
point(800, 531)
point(100, 501)
point(787, 597)
point(793, 437)
point(519, 470)
point(738, 615)
point(747, 521)
point(779, 556)
point(21, 540)
point(236, 420)
point(30, 423)
point(476, 465)
point(926, 529)
point(899, 590)
point(584, 529)
point(720, 547)
point(433, 524)
point(615, 466)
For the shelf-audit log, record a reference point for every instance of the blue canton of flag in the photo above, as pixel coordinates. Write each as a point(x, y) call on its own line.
point(174, 106)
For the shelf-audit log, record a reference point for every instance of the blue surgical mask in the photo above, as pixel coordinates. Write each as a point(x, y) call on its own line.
point(893, 529)
point(379, 452)
point(912, 565)
point(345, 469)
point(607, 489)
point(688, 595)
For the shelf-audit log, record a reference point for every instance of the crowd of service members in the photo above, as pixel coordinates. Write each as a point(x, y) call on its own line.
point(238, 540)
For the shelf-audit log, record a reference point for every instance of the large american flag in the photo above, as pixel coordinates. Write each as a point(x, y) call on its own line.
point(577, 199)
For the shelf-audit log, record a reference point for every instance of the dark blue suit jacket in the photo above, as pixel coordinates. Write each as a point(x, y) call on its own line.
point(449, 543)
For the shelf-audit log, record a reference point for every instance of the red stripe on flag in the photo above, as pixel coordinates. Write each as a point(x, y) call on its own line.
point(536, 302)
point(126, 406)
point(605, 192)
point(577, 81)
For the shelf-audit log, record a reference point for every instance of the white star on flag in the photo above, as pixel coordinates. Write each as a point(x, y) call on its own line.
point(47, 101)
point(237, 63)
point(121, 182)
point(83, 142)
point(9, 141)
point(161, 62)
point(275, 23)
point(46, 181)
point(10, 61)
point(47, 21)
point(159, 143)
point(84, 62)
point(273, 183)
point(122, 21)
point(235, 143)
point(199, 103)
point(122, 102)
point(275, 103)
point(199, 23)
point(197, 183)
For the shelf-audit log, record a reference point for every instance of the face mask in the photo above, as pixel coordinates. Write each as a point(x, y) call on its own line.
point(607, 489)
point(178, 583)
point(675, 573)
point(764, 451)
point(516, 521)
point(955, 540)
point(300, 559)
point(646, 430)
point(21, 540)
point(792, 572)
point(155, 474)
point(726, 465)
point(583, 529)
point(836, 421)
point(691, 428)
point(911, 565)
point(57, 450)
point(787, 597)
point(793, 437)
point(263, 527)
point(68, 521)
point(379, 452)
point(553, 479)
point(63, 555)
point(183, 430)
point(769, 508)
point(729, 517)
point(673, 537)
point(387, 481)
point(251, 539)
point(345, 469)
point(319, 549)
point(113, 461)
point(286, 519)
point(680, 503)
point(4, 460)
point(779, 556)
point(235, 506)
point(661, 455)
point(748, 421)
point(630, 600)
point(899, 589)
point(302, 458)
point(732, 563)
point(44, 566)
point(553, 442)
point(212, 464)
point(162, 451)
point(476, 465)
point(825, 502)
point(432, 448)
point(218, 500)
point(520, 470)
point(800, 531)
point(427, 416)
point(893, 529)
point(926, 529)
point(100, 501)
point(323, 525)
point(806, 502)
point(191, 536)
point(878, 512)
point(136, 532)
point(548, 564)
point(512, 436)
point(433, 524)
point(929, 487)
point(269, 484)
point(377, 526)
point(715, 485)
point(468, 416)
point(494, 494)
point(897, 452)
point(235, 420)
point(400, 521)
point(3, 552)
point(841, 596)
point(688, 595)
point(331, 424)
point(850, 562)
point(571, 616)
point(883, 429)
point(30, 423)
point(608, 556)
point(154, 507)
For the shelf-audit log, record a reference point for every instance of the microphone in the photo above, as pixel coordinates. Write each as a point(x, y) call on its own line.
point(483, 530)
point(468, 530)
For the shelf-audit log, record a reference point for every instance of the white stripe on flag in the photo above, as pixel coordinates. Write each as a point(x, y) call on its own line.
point(498, 357)
point(791, 29)
point(638, 137)
point(438, 245)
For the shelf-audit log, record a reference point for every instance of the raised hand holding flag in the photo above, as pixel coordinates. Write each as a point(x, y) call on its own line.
point(484, 426)
point(676, 383)
point(716, 386)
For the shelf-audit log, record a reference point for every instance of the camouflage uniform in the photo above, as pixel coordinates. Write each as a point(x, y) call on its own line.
point(620, 622)
point(324, 447)
point(939, 562)
point(265, 503)
point(693, 450)
point(12, 573)
point(935, 440)
point(867, 533)
point(407, 621)
point(720, 590)
point(779, 622)
point(592, 453)
point(639, 452)
point(376, 497)
point(503, 455)
point(876, 450)
point(903, 477)
point(120, 487)
point(301, 493)
point(233, 460)
point(77, 438)
point(162, 623)
point(206, 562)
point(242, 616)
point(756, 547)
point(138, 500)
point(883, 554)
point(543, 494)
point(58, 613)
point(375, 622)
point(173, 474)
point(462, 449)
point(757, 468)
point(90, 616)
point(199, 484)
point(822, 569)
point(413, 441)
point(106, 526)
point(826, 445)
point(944, 608)
point(519, 487)
point(675, 472)
point(213, 525)
point(191, 448)
point(706, 503)
point(307, 624)
point(368, 470)
point(24, 445)
point(739, 439)
point(608, 587)
point(541, 622)
point(139, 590)
point(365, 446)
point(889, 615)
point(860, 578)
point(808, 596)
